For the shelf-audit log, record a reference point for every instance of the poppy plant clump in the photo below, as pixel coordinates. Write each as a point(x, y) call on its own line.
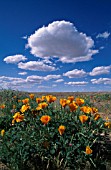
point(46, 131)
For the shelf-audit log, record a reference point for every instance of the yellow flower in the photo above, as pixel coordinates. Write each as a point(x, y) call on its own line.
point(88, 150)
point(71, 98)
point(86, 109)
point(79, 101)
point(50, 98)
point(41, 106)
point(83, 118)
point(31, 96)
point(2, 132)
point(107, 124)
point(64, 102)
point(45, 119)
point(96, 116)
point(61, 129)
point(18, 117)
point(24, 108)
point(25, 101)
point(73, 106)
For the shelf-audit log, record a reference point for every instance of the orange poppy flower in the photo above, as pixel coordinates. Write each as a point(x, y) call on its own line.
point(43, 98)
point(73, 106)
point(96, 116)
point(19, 100)
point(2, 132)
point(41, 106)
point(25, 101)
point(83, 118)
point(24, 108)
point(71, 98)
point(61, 129)
point(94, 110)
point(86, 109)
point(38, 100)
point(31, 96)
point(50, 98)
point(107, 124)
point(18, 117)
point(79, 101)
point(45, 119)
point(14, 106)
point(2, 106)
point(88, 150)
point(64, 102)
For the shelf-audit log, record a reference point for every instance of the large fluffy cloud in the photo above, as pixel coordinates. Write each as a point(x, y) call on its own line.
point(75, 73)
point(15, 58)
point(100, 70)
point(35, 66)
point(61, 39)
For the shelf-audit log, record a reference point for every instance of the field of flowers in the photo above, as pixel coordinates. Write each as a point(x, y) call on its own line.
point(55, 131)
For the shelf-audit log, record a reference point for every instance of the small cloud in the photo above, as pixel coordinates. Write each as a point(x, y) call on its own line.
point(34, 79)
point(59, 80)
point(39, 79)
point(15, 59)
point(101, 81)
point(48, 77)
point(36, 66)
point(101, 48)
point(61, 39)
point(22, 73)
point(100, 70)
point(79, 83)
point(54, 85)
point(44, 87)
point(75, 73)
point(25, 37)
point(103, 35)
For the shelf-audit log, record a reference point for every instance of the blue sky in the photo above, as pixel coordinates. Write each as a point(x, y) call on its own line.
point(55, 45)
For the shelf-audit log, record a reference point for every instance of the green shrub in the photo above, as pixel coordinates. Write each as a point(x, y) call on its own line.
point(70, 135)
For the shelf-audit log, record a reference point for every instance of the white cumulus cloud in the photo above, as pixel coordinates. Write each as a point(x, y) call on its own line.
point(59, 80)
point(39, 79)
point(49, 77)
point(22, 73)
point(15, 58)
point(79, 83)
point(34, 79)
point(100, 70)
point(61, 39)
point(103, 35)
point(101, 81)
point(75, 73)
point(35, 66)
